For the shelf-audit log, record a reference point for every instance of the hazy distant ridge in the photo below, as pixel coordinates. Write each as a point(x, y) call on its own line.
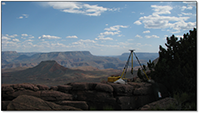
point(71, 59)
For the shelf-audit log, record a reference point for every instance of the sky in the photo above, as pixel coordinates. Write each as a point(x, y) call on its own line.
point(103, 28)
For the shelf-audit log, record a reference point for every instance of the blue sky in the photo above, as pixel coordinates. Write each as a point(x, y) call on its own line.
point(103, 28)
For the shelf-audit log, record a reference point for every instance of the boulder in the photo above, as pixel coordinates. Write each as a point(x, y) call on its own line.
point(4, 105)
point(79, 86)
point(91, 86)
point(14, 94)
point(54, 88)
point(127, 102)
point(95, 99)
point(64, 88)
point(142, 100)
point(78, 104)
point(25, 102)
point(25, 86)
point(26, 92)
point(54, 96)
point(121, 89)
point(7, 89)
point(143, 91)
point(83, 95)
point(162, 104)
point(6, 92)
point(42, 87)
point(104, 88)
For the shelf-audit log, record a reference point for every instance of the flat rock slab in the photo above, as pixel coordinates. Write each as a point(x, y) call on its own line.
point(25, 86)
point(55, 96)
point(78, 104)
point(25, 102)
point(42, 87)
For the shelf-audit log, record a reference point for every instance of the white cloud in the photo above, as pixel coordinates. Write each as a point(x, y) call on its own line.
point(48, 37)
point(119, 35)
point(130, 39)
point(3, 3)
point(72, 36)
point(115, 28)
point(109, 33)
point(107, 38)
point(23, 16)
point(137, 22)
point(157, 21)
point(161, 9)
point(109, 46)
point(138, 36)
point(189, 6)
point(24, 34)
point(5, 38)
point(152, 36)
point(58, 45)
point(178, 36)
point(80, 8)
point(146, 31)
point(193, 4)
point(9, 44)
point(29, 40)
point(31, 37)
point(190, 14)
point(13, 36)
point(184, 25)
point(141, 13)
point(87, 41)
point(15, 40)
point(185, 7)
point(140, 45)
point(81, 41)
point(175, 31)
point(8, 37)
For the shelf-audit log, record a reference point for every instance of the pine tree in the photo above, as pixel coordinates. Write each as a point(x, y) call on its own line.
point(177, 64)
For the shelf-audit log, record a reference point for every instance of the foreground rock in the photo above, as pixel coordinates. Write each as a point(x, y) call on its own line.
point(163, 104)
point(78, 104)
point(85, 96)
point(25, 102)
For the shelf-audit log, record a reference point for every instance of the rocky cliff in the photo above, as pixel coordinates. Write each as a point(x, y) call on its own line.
point(70, 59)
point(79, 96)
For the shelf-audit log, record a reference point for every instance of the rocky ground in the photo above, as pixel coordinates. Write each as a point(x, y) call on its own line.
point(83, 96)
